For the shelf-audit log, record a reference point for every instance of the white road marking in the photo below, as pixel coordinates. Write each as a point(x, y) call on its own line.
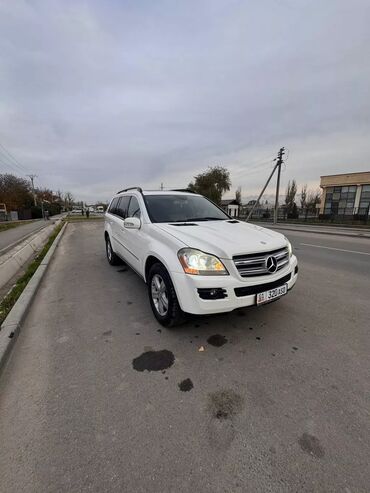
point(337, 249)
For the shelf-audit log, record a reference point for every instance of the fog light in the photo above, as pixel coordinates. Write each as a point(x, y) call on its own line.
point(212, 293)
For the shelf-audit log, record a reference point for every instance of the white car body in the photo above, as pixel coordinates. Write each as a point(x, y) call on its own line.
point(224, 239)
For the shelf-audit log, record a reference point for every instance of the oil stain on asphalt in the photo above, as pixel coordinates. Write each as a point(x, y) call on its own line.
point(311, 445)
point(186, 385)
point(224, 404)
point(217, 340)
point(154, 360)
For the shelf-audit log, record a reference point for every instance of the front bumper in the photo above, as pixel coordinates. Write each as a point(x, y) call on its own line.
point(187, 286)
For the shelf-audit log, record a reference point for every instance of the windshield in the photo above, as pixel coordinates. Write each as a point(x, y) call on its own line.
point(182, 208)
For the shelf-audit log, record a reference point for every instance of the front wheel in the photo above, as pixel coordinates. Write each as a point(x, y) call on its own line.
point(162, 297)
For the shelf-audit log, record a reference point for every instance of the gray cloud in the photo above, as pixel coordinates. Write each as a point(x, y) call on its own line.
point(99, 95)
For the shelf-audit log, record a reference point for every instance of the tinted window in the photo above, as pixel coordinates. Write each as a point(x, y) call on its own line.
point(113, 205)
point(133, 208)
point(121, 209)
point(180, 208)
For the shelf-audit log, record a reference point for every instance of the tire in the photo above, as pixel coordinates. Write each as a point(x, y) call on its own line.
point(112, 258)
point(162, 297)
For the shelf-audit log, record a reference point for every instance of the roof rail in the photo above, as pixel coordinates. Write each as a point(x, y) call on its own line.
point(182, 190)
point(131, 188)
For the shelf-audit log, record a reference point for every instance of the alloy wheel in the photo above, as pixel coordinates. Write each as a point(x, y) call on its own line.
point(159, 295)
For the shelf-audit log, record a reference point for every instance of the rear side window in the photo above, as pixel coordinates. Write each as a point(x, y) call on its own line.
point(122, 206)
point(113, 206)
point(134, 208)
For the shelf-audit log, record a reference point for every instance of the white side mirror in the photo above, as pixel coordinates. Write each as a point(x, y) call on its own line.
point(132, 223)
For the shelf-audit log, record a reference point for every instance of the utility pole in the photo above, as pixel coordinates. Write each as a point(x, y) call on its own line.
point(32, 177)
point(279, 161)
point(278, 165)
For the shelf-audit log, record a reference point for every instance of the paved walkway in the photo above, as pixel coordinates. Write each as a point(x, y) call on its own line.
point(15, 235)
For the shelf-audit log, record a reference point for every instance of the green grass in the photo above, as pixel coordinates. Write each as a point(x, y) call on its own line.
point(8, 302)
point(14, 224)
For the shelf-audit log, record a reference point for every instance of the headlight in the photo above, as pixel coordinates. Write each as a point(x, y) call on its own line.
point(290, 249)
point(199, 263)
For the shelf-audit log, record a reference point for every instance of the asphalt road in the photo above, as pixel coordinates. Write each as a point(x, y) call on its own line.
point(282, 406)
point(15, 235)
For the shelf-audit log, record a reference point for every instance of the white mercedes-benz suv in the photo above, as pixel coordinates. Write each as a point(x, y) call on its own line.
point(193, 257)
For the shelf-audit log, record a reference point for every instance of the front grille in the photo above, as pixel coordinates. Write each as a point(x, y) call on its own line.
point(259, 288)
point(254, 264)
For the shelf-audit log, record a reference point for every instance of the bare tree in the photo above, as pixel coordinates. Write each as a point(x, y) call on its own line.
point(68, 200)
point(313, 198)
point(238, 195)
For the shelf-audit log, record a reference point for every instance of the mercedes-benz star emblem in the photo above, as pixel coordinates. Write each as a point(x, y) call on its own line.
point(271, 264)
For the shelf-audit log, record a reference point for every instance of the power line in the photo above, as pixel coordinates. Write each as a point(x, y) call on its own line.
point(10, 167)
point(13, 159)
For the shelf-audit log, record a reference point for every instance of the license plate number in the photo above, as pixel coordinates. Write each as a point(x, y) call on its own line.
point(271, 294)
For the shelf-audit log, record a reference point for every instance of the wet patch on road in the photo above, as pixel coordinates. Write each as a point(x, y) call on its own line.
point(258, 338)
point(107, 333)
point(224, 404)
point(186, 385)
point(240, 313)
point(295, 348)
point(311, 445)
point(129, 303)
point(217, 340)
point(154, 360)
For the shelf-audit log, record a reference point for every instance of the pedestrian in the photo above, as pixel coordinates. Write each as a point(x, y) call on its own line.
point(87, 213)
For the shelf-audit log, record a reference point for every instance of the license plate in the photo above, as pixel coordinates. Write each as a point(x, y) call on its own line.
point(271, 294)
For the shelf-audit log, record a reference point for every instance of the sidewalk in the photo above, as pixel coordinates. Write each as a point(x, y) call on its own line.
point(323, 229)
point(11, 237)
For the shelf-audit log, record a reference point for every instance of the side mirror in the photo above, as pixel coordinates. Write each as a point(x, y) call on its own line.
point(132, 223)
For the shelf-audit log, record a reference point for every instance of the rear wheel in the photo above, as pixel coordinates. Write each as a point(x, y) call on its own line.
point(113, 259)
point(162, 297)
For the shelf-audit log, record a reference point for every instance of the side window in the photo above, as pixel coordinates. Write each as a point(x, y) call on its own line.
point(113, 205)
point(134, 208)
point(122, 206)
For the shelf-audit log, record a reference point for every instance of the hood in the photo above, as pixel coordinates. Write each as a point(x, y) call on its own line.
point(225, 239)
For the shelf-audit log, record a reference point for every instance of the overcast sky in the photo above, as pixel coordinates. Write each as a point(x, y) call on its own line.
point(99, 95)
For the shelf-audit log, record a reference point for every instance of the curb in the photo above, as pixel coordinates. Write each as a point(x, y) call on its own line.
point(12, 325)
point(11, 262)
point(332, 233)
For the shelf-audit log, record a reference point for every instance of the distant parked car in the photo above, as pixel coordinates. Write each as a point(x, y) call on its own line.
point(76, 212)
point(100, 209)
